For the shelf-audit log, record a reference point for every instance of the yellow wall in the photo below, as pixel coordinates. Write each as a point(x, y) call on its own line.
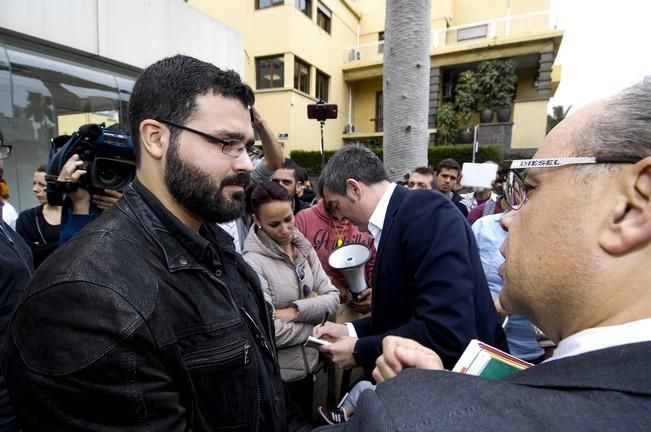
point(364, 104)
point(469, 11)
point(529, 128)
point(526, 78)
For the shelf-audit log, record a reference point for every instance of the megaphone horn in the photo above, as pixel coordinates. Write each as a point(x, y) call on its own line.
point(350, 260)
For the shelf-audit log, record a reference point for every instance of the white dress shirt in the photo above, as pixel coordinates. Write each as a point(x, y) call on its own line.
point(597, 338)
point(375, 225)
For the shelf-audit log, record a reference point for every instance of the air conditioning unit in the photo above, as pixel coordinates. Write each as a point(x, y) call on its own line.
point(350, 128)
point(354, 54)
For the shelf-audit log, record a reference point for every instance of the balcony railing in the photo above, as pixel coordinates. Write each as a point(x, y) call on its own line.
point(503, 27)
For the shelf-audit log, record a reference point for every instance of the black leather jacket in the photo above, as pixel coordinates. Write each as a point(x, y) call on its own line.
point(138, 324)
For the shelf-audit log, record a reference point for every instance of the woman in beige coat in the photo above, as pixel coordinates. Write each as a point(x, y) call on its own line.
point(292, 280)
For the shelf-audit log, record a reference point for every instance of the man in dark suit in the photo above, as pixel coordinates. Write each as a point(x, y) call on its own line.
point(577, 263)
point(428, 283)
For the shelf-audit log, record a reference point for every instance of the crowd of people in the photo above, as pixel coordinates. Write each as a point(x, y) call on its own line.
point(185, 300)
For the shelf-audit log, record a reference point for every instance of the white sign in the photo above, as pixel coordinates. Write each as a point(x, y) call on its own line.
point(478, 174)
point(283, 135)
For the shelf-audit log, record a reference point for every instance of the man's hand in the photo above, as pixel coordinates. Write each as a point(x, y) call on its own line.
point(363, 302)
point(106, 201)
point(70, 173)
point(287, 314)
point(401, 353)
point(341, 352)
point(330, 331)
point(256, 119)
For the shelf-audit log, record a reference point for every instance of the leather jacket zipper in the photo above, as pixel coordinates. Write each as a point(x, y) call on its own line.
point(220, 356)
point(258, 334)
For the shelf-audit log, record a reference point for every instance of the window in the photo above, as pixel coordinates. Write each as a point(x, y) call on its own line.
point(270, 72)
point(322, 84)
point(47, 93)
point(304, 6)
point(301, 75)
point(379, 112)
point(323, 17)
point(380, 47)
point(263, 4)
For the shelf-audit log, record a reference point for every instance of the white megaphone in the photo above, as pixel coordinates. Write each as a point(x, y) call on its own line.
point(350, 260)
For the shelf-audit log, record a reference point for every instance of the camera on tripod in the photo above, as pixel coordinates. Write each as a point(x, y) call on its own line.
point(108, 158)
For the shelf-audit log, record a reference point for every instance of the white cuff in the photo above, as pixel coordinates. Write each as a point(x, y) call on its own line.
point(351, 330)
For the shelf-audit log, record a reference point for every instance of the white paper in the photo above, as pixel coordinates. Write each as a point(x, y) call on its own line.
point(478, 174)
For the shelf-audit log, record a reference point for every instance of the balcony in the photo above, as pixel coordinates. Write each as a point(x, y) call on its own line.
point(481, 31)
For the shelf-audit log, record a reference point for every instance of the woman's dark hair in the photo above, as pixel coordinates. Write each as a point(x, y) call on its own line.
point(267, 192)
point(42, 168)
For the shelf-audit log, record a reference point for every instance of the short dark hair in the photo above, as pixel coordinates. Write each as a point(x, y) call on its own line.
point(42, 168)
point(267, 192)
point(353, 161)
point(448, 164)
point(289, 164)
point(168, 90)
point(424, 171)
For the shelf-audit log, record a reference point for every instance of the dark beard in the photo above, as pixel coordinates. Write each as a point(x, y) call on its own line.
point(197, 192)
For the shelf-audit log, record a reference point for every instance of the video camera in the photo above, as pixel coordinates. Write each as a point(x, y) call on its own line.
point(108, 156)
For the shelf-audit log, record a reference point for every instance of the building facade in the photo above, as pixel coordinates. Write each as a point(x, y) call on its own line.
point(65, 63)
point(299, 51)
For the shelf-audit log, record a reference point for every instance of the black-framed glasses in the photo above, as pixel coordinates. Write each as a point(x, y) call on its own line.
point(232, 148)
point(5, 150)
point(300, 273)
point(516, 188)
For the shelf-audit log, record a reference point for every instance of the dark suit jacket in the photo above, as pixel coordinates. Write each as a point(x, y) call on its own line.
point(605, 390)
point(428, 282)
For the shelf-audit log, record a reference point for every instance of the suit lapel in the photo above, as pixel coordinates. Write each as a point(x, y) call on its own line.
point(398, 195)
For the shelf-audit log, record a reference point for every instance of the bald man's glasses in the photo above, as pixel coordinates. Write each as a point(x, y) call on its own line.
point(516, 188)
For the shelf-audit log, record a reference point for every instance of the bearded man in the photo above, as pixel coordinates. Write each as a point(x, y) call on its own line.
point(148, 319)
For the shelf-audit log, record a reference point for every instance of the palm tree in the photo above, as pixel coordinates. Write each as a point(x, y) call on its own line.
point(406, 85)
point(558, 114)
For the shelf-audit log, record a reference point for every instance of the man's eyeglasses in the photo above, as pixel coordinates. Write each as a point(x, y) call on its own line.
point(5, 150)
point(516, 188)
point(300, 272)
point(232, 148)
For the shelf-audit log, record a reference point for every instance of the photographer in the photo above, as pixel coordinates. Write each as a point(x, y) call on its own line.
point(80, 207)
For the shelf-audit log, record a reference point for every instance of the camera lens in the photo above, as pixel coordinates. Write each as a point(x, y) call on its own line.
point(112, 173)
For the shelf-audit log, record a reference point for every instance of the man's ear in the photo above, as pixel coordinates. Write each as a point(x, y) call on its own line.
point(629, 224)
point(355, 189)
point(153, 138)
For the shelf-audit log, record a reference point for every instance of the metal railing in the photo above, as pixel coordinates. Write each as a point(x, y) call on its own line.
point(503, 27)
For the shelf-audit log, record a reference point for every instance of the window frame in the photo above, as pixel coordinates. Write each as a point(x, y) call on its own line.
point(322, 75)
point(307, 10)
point(269, 4)
point(259, 73)
point(323, 13)
point(298, 62)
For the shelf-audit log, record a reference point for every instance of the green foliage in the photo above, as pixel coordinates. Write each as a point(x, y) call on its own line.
point(558, 115)
point(496, 80)
point(465, 97)
point(311, 160)
point(463, 153)
point(446, 124)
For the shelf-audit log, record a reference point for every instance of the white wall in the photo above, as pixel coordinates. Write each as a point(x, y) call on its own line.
point(135, 32)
